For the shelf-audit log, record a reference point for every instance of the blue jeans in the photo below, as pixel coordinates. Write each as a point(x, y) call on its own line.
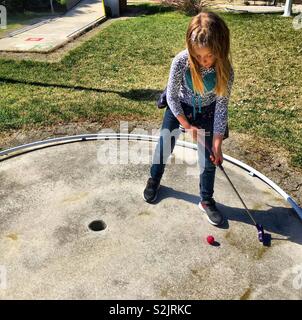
point(204, 120)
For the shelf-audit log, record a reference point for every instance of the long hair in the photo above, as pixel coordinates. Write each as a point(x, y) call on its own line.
point(208, 29)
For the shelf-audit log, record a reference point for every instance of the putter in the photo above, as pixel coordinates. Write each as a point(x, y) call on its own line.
point(263, 237)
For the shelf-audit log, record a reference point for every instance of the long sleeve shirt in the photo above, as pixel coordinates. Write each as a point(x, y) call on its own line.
point(179, 89)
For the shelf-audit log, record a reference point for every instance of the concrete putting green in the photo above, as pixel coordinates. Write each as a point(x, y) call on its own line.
point(50, 195)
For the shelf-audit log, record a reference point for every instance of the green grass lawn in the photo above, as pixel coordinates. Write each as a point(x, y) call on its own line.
point(19, 20)
point(128, 64)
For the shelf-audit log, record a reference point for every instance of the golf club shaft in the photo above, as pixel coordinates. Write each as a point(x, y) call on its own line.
point(248, 212)
point(222, 169)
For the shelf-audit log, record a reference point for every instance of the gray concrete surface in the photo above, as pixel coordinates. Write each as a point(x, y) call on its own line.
point(148, 251)
point(259, 9)
point(254, 9)
point(54, 33)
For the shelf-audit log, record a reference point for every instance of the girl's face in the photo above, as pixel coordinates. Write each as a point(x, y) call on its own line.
point(204, 57)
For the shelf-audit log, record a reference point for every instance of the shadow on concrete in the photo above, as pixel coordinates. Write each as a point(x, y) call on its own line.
point(29, 23)
point(279, 220)
point(282, 221)
point(133, 94)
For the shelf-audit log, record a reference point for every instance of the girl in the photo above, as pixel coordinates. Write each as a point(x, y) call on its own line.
point(198, 91)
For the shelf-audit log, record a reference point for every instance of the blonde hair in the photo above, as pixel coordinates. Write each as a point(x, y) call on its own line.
point(207, 29)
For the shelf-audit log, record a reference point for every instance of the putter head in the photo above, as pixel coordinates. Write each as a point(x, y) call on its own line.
point(261, 233)
point(267, 239)
point(263, 237)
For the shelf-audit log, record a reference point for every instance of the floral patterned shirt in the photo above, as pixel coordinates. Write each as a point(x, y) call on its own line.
point(179, 90)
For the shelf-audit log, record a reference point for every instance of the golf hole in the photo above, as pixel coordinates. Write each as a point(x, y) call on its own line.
point(97, 225)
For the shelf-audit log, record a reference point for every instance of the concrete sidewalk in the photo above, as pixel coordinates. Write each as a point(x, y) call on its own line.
point(238, 7)
point(260, 9)
point(49, 196)
point(53, 33)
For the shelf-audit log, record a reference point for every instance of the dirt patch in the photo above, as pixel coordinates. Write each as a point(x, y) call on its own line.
point(246, 295)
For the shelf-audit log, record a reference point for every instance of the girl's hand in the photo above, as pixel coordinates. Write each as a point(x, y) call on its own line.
point(218, 158)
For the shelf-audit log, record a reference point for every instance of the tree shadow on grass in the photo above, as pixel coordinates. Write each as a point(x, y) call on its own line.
point(133, 94)
point(147, 9)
